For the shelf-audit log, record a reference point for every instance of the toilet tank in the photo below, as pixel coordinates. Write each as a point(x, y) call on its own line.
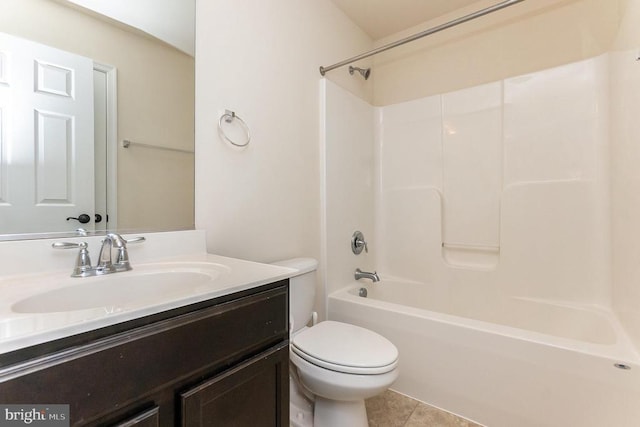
point(302, 290)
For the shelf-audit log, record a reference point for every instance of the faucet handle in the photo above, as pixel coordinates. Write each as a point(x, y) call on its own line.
point(135, 240)
point(69, 245)
point(122, 257)
point(358, 243)
point(82, 267)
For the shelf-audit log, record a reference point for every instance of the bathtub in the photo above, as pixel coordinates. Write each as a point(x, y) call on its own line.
point(516, 362)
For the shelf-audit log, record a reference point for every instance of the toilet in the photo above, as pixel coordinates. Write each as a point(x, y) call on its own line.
point(334, 366)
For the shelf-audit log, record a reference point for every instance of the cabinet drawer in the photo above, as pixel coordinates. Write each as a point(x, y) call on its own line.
point(110, 374)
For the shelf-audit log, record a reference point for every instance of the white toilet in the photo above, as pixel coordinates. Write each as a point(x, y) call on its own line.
point(335, 365)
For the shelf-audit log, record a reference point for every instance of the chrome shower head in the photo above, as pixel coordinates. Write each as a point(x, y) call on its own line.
point(364, 72)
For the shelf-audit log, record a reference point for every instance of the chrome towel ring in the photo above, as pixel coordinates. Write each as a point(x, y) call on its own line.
point(228, 117)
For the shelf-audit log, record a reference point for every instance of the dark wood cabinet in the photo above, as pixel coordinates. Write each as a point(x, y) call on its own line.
point(251, 394)
point(211, 364)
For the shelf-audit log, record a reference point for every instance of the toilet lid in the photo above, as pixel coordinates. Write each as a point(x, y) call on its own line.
point(346, 348)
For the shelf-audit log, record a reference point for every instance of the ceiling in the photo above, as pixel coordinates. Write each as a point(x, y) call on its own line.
point(172, 21)
point(381, 18)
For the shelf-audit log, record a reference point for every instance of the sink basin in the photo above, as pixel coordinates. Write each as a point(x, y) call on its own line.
point(121, 291)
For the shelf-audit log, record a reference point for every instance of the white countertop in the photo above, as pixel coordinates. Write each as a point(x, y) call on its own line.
point(20, 330)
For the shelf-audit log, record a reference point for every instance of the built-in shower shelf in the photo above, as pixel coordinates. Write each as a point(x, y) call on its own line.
point(476, 257)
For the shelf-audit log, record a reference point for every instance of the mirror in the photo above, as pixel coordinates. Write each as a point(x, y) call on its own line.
point(123, 155)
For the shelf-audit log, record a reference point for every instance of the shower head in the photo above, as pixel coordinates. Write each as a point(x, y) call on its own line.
point(364, 72)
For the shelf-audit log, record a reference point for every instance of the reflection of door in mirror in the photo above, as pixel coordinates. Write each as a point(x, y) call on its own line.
point(104, 113)
point(47, 104)
point(153, 104)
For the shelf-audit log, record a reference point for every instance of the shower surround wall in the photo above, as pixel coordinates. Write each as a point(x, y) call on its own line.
point(346, 151)
point(506, 185)
point(498, 189)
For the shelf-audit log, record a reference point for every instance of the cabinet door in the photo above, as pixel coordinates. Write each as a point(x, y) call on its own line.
point(252, 394)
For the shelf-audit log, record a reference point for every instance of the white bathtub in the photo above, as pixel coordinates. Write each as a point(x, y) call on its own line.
point(516, 363)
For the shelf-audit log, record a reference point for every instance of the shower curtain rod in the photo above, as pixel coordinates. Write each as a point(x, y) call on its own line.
point(421, 34)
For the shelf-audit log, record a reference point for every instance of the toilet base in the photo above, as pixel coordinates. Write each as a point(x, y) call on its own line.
point(337, 413)
point(300, 417)
point(300, 405)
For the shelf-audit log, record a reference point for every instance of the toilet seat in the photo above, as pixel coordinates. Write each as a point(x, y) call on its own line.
point(345, 348)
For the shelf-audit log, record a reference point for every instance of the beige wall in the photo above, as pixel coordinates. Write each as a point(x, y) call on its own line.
point(530, 36)
point(261, 60)
point(155, 106)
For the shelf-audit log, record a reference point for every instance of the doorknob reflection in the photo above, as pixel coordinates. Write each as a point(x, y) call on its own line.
point(82, 219)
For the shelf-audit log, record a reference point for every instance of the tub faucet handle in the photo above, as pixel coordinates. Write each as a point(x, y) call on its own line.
point(358, 243)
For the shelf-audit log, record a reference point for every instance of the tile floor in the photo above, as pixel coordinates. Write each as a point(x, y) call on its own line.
point(391, 409)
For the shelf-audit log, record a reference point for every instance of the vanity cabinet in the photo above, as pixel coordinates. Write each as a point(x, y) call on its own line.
point(222, 362)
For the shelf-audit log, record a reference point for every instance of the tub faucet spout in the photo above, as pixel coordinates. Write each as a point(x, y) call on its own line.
point(359, 274)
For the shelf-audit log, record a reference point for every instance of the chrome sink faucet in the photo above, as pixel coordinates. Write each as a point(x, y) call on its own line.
point(106, 264)
point(359, 274)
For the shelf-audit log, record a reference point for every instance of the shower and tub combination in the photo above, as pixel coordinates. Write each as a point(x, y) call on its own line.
point(489, 222)
point(516, 362)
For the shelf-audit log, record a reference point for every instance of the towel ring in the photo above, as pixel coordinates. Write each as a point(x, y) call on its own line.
point(229, 116)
